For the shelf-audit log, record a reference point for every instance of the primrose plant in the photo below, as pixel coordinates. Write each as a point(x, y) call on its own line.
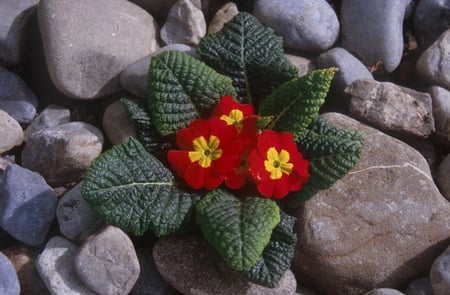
point(224, 145)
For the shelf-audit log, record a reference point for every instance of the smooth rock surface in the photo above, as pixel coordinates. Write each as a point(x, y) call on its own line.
point(222, 16)
point(9, 283)
point(441, 113)
point(443, 177)
point(11, 132)
point(185, 24)
point(63, 152)
point(56, 268)
point(304, 25)
point(431, 19)
point(88, 65)
point(75, 217)
point(373, 31)
point(440, 274)
point(16, 98)
point(192, 267)
point(384, 291)
point(107, 262)
point(117, 123)
point(51, 116)
point(304, 65)
point(27, 205)
point(391, 107)
point(420, 286)
point(434, 64)
point(355, 233)
point(13, 18)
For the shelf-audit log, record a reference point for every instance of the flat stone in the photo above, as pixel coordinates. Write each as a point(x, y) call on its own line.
point(27, 205)
point(52, 115)
point(384, 291)
point(9, 283)
point(373, 31)
point(16, 98)
point(191, 266)
point(117, 123)
point(304, 25)
point(391, 107)
point(385, 215)
point(11, 132)
point(441, 113)
point(62, 153)
point(420, 286)
point(440, 273)
point(107, 262)
point(434, 64)
point(56, 268)
point(13, 18)
point(222, 16)
point(185, 24)
point(87, 45)
point(443, 177)
point(75, 217)
point(431, 19)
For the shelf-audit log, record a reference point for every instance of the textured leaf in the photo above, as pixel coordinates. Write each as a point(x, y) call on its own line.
point(251, 54)
point(238, 228)
point(181, 89)
point(332, 153)
point(296, 103)
point(277, 255)
point(131, 189)
point(147, 134)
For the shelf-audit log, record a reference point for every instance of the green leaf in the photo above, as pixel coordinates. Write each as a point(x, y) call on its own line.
point(251, 54)
point(239, 229)
point(181, 89)
point(332, 152)
point(147, 134)
point(296, 103)
point(131, 189)
point(277, 255)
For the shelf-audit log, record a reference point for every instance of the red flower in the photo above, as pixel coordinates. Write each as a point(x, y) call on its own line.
point(209, 150)
point(276, 165)
point(232, 112)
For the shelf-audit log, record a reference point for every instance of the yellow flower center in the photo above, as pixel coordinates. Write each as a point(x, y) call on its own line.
point(234, 118)
point(278, 163)
point(205, 151)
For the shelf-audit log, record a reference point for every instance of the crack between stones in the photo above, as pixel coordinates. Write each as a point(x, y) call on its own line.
point(405, 165)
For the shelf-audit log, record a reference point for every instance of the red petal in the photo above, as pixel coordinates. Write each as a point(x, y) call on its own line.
point(179, 160)
point(256, 167)
point(265, 188)
point(235, 180)
point(213, 180)
point(195, 175)
point(281, 187)
point(268, 139)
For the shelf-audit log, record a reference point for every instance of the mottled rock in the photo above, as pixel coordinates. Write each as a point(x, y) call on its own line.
point(107, 262)
point(117, 123)
point(441, 113)
point(9, 283)
point(420, 286)
point(63, 152)
point(85, 65)
point(13, 18)
point(373, 31)
point(192, 267)
point(434, 64)
point(440, 274)
point(11, 132)
point(185, 24)
point(443, 177)
point(391, 107)
point(51, 116)
point(27, 205)
point(304, 65)
point(356, 233)
point(222, 16)
point(75, 217)
point(304, 25)
point(56, 268)
point(16, 98)
point(431, 19)
point(384, 291)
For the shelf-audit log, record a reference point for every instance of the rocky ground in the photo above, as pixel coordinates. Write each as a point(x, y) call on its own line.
point(383, 229)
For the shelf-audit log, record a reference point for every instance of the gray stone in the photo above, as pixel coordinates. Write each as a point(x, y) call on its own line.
point(56, 268)
point(384, 216)
point(434, 64)
point(51, 116)
point(304, 25)
point(11, 132)
point(192, 267)
point(443, 177)
point(13, 18)
point(384, 291)
point(304, 65)
point(420, 286)
point(134, 78)
point(9, 283)
point(107, 262)
point(87, 45)
point(157, 8)
point(185, 24)
point(350, 68)
point(391, 107)
point(16, 98)
point(431, 19)
point(117, 123)
point(373, 31)
point(441, 112)
point(75, 217)
point(27, 205)
point(440, 274)
point(222, 16)
point(63, 152)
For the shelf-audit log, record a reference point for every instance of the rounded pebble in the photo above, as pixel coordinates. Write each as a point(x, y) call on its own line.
point(9, 283)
